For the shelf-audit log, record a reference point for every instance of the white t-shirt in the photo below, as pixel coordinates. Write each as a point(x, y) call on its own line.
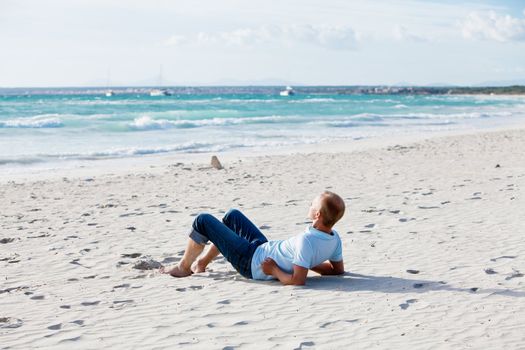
point(307, 249)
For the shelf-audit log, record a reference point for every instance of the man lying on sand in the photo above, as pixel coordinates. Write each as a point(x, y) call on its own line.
point(318, 248)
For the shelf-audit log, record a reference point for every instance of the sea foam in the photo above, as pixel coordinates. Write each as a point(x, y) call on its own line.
point(39, 121)
point(148, 123)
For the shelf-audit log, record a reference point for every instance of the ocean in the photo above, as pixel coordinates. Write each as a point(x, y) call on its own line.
point(56, 128)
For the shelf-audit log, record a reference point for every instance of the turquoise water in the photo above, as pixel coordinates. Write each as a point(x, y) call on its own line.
point(38, 128)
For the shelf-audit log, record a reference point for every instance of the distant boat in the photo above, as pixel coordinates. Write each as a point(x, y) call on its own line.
point(159, 92)
point(109, 92)
point(287, 92)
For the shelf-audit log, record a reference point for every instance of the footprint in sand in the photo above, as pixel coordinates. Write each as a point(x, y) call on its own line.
point(10, 322)
point(515, 274)
point(370, 225)
point(190, 287)
point(78, 322)
point(406, 304)
point(304, 343)
point(131, 255)
point(55, 327)
point(37, 297)
point(490, 271)
point(403, 220)
point(90, 303)
point(65, 306)
point(326, 324)
point(504, 257)
point(302, 223)
point(70, 339)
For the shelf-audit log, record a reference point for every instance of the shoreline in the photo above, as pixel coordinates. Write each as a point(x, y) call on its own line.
point(119, 166)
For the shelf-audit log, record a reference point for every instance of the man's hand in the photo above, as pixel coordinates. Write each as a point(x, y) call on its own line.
point(297, 277)
point(268, 266)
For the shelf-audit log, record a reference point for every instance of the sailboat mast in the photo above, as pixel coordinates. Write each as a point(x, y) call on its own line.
point(160, 76)
point(108, 76)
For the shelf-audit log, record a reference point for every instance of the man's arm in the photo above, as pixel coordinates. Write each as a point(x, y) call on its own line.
point(297, 278)
point(330, 268)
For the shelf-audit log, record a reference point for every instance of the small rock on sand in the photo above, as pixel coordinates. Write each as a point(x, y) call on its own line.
point(216, 163)
point(132, 255)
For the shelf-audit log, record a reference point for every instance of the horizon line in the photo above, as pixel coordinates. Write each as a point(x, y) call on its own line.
point(255, 85)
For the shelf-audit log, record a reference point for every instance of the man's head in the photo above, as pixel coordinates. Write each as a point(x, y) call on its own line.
point(327, 208)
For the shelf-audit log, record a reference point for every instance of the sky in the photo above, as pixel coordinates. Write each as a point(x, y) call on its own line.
point(241, 42)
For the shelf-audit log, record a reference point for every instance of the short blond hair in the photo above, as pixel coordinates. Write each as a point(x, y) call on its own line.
point(332, 208)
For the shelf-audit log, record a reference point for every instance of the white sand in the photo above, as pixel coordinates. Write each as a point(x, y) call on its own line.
point(440, 207)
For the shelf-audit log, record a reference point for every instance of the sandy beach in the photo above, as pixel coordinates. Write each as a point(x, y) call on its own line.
point(432, 243)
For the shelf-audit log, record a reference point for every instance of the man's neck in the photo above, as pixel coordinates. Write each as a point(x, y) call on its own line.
point(322, 228)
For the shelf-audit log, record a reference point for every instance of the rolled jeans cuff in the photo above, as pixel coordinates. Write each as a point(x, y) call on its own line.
point(198, 237)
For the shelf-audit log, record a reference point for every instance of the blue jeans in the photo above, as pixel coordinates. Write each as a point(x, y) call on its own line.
point(236, 237)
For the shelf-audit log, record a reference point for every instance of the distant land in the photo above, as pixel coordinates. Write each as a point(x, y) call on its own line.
point(333, 90)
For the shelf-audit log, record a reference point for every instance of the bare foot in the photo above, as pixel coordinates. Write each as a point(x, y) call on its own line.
point(198, 266)
point(176, 271)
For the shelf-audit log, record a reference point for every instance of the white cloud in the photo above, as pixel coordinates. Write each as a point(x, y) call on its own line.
point(332, 37)
point(493, 26)
point(176, 40)
point(402, 34)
